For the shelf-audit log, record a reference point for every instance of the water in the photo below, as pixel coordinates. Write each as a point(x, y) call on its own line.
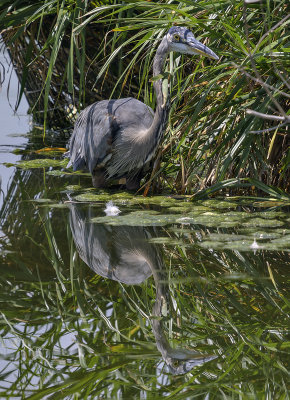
point(13, 125)
point(164, 298)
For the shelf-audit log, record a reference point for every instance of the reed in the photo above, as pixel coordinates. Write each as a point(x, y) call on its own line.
point(229, 120)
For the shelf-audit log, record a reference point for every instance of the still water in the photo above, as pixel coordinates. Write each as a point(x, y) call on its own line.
point(13, 125)
point(164, 298)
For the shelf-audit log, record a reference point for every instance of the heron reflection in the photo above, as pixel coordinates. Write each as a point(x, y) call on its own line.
point(125, 254)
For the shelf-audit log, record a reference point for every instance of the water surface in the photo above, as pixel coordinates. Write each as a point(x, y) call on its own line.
point(167, 298)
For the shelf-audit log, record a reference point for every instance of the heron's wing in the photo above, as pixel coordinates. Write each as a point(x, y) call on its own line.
point(99, 125)
point(92, 137)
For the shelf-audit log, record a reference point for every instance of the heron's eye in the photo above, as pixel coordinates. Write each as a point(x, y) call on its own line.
point(176, 37)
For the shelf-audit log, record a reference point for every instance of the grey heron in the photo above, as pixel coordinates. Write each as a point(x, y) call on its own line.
point(116, 139)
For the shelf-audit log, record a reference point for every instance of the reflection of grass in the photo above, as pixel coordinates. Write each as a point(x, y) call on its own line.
point(78, 333)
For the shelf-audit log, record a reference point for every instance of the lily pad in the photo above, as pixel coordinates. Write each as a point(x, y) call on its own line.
point(185, 220)
point(103, 196)
point(125, 197)
point(240, 245)
point(73, 188)
point(41, 163)
point(264, 234)
point(270, 214)
point(227, 237)
point(144, 219)
point(219, 204)
point(57, 172)
point(213, 220)
point(140, 213)
point(185, 207)
point(161, 201)
point(261, 222)
point(272, 203)
point(168, 240)
point(283, 241)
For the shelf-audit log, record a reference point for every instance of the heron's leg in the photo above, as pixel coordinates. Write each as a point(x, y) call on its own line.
point(98, 178)
point(133, 182)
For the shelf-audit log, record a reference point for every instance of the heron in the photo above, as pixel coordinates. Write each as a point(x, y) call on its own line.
point(116, 139)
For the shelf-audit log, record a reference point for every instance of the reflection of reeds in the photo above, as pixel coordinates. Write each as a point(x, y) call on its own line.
point(76, 332)
point(28, 184)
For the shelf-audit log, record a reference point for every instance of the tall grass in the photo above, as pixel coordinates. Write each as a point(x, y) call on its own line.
point(229, 119)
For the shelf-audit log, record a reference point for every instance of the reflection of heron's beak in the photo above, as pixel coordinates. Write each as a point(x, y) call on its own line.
point(198, 47)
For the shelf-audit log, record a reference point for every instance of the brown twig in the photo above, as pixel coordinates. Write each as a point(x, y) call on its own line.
point(270, 117)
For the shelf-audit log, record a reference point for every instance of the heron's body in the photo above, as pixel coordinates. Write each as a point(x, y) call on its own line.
point(123, 125)
point(118, 138)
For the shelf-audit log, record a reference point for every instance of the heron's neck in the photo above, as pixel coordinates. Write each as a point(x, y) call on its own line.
point(158, 126)
point(158, 66)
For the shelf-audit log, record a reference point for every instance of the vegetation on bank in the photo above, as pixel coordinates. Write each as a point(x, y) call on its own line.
point(229, 119)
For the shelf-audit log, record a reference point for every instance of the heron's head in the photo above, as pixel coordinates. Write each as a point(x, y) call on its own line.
point(182, 40)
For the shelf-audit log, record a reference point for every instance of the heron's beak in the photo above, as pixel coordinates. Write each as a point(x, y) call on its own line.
point(199, 48)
